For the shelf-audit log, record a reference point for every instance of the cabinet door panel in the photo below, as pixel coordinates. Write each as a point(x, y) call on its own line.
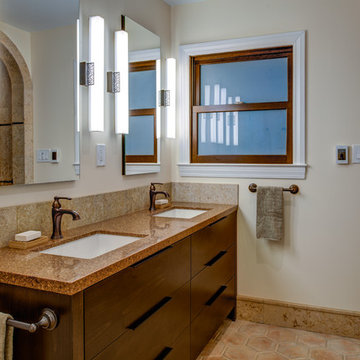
point(208, 281)
point(209, 242)
point(181, 349)
point(150, 338)
point(210, 318)
point(115, 303)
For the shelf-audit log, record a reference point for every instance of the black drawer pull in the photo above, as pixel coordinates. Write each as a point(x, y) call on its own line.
point(216, 295)
point(216, 258)
point(218, 221)
point(149, 313)
point(150, 257)
point(164, 353)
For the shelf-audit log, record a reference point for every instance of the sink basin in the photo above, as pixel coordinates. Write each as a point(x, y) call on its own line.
point(91, 246)
point(181, 213)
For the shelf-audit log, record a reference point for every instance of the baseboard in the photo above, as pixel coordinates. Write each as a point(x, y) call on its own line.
point(305, 317)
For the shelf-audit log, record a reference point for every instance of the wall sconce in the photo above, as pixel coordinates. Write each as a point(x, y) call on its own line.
point(86, 74)
point(170, 98)
point(122, 97)
point(113, 82)
point(158, 99)
point(164, 97)
point(92, 73)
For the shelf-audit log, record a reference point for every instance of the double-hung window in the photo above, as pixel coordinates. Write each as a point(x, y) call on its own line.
point(242, 107)
point(141, 142)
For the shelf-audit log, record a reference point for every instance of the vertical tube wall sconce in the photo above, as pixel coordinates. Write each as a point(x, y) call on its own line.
point(171, 86)
point(77, 74)
point(158, 102)
point(122, 97)
point(96, 56)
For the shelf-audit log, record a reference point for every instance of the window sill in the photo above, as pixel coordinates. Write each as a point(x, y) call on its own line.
point(260, 171)
point(137, 168)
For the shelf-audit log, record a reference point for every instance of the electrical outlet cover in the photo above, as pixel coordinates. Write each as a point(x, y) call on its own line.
point(342, 154)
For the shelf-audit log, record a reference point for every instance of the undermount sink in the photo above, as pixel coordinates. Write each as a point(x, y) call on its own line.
point(91, 246)
point(179, 213)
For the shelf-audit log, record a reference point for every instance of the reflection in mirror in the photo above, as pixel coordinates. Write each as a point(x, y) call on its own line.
point(141, 147)
point(39, 130)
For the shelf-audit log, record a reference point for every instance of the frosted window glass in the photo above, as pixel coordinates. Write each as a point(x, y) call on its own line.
point(140, 140)
point(242, 133)
point(251, 81)
point(142, 89)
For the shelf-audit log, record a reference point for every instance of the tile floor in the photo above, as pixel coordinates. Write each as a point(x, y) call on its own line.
point(243, 340)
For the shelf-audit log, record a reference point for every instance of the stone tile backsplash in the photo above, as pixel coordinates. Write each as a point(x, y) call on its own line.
point(206, 193)
point(100, 207)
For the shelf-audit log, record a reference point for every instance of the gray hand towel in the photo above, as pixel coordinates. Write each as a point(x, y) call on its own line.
point(6, 338)
point(269, 215)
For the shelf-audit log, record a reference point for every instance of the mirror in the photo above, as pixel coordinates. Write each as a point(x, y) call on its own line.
point(141, 147)
point(39, 130)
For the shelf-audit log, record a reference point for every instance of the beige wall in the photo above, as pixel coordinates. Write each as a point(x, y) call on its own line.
point(154, 15)
point(53, 55)
point(318, 262)
point(22, 40)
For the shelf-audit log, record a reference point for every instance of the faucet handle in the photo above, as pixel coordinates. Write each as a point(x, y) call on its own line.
point(56, 204)
point(152, 185)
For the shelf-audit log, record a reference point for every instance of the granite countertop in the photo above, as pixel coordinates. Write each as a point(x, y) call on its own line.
point(67, 275)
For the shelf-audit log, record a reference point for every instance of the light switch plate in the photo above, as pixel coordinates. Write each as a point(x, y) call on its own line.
point(356, 154)
point(342, 154)
point(43, 155)
point(100, 155)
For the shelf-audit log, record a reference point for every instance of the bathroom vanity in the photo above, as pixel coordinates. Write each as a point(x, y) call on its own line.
point(160, 297)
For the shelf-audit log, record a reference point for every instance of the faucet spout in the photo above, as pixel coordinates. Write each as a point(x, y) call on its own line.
point(75, 215)
point(165, 193)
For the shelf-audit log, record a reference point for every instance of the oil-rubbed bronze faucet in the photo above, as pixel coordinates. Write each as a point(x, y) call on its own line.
point(57, 212)
point(153, 194)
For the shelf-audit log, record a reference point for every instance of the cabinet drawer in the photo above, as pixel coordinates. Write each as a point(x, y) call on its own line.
point(180, 350)
point(212, 316)
point(205, 284)
point(208, 242)
point(146, 341)
point(115, 303)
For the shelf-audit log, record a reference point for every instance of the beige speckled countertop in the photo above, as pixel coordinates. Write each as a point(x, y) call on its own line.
point(67, 275)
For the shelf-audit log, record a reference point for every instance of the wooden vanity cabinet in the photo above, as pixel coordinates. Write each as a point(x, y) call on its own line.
point(165, 307)
point(64, 342)
point(144, 307)
point(213, 288)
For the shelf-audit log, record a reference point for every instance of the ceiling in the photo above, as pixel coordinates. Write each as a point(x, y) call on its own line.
point(36, 15)
point(181, 2)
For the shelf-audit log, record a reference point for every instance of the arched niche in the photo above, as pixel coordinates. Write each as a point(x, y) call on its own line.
point(16, 118)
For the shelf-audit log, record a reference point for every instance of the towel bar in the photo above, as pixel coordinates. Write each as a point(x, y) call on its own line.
point(294, 189)
point(48, 321)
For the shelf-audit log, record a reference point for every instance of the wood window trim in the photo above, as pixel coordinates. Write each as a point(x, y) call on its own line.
point(147, 65)
point(195, 108)
point(142, 65)
point(143, 158)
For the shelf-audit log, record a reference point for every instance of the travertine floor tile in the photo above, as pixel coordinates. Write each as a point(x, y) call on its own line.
point(243, 340)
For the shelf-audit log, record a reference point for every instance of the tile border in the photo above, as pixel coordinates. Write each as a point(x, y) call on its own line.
point(299, 316)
